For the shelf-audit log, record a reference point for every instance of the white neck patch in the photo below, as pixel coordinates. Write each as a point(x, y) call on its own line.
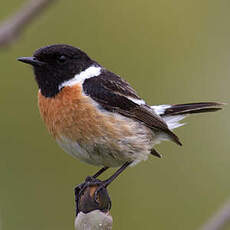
point(92, 71)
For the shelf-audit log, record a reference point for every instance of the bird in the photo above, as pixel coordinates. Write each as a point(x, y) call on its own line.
point(96, 116)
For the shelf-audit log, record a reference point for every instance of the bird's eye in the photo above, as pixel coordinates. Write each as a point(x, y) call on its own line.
point(62, 59)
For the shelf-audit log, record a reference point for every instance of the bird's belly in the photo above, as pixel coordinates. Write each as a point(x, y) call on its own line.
point(92, 134)
point(91, 153)
point(108, 151)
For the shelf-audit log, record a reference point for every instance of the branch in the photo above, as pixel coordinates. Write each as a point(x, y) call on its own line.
point(12, 27)
point(220, 219)
point(92, 214)
point(94, 220)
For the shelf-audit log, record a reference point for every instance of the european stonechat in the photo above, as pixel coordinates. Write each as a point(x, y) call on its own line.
point(97, 116)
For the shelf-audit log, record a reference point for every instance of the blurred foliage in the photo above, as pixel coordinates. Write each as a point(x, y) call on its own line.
point(171, 52)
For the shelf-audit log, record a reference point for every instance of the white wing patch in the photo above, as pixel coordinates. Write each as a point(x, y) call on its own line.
point(92, 71)
point(137, 101)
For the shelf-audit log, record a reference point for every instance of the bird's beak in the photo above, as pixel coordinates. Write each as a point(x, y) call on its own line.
point(32, 61)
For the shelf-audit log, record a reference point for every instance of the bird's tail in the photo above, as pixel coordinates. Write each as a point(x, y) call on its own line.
point(173, 114)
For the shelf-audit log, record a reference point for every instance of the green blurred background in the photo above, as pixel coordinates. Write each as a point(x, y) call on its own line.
point(171, 52)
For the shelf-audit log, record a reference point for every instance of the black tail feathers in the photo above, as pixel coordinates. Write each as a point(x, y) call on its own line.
point(201, 107)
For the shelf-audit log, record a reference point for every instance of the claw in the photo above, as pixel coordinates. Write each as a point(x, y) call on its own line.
point(98, 189)
point(91, 195)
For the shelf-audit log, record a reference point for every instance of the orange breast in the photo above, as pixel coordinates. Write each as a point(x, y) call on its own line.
point(76, 117)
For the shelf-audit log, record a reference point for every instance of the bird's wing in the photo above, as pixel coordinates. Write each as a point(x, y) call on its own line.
point(116, 95)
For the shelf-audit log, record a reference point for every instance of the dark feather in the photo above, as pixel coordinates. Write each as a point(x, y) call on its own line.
point(113, 82)
point(201, 107)
point(155, 153)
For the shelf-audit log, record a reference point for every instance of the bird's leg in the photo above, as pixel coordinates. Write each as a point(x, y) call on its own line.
point(107, 182)
point(116, 174)
point(97, 174)
point(92, 181)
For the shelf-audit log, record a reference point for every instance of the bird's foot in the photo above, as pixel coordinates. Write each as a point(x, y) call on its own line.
point(89, 181)
point(94, 191)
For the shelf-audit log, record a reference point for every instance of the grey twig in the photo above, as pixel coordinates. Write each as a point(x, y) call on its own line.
point(220, 219)
point(94, 220)
point(12, 27)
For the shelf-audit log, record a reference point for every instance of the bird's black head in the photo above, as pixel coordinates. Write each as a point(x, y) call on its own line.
point(56, 64)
